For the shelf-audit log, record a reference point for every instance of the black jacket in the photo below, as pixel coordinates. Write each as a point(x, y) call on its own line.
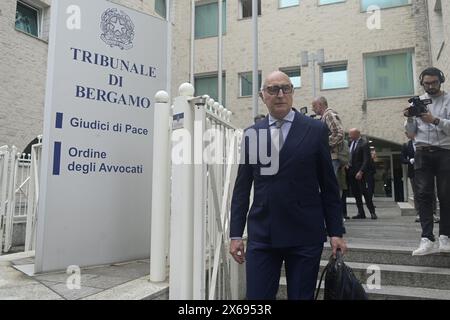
point(361, 159)
point(407, 154)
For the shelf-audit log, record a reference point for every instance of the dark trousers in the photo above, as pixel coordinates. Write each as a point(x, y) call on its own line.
point(427, 166)
point(344, 202)
point(263, 269)
point(414, 190)
point(359, 189)
point(416, 204)
point(370, 180)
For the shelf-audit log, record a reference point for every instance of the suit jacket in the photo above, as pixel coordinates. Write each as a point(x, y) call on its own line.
point(407, 154)
point(361, 159)
point(299, 204)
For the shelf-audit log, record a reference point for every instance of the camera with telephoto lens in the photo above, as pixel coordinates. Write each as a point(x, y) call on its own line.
point(418, 106)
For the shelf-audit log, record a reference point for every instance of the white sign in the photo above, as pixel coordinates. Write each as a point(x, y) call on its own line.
point(106, 62)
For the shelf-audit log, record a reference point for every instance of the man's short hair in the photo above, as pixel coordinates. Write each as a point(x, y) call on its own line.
point(323, 101)
point(432, 71)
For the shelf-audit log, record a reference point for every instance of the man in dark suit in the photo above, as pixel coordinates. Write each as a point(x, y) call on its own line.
point(408, 152)
point(360, 169)
point(294, 206)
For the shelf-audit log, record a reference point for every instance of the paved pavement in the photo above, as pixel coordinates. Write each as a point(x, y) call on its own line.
point(123, 281)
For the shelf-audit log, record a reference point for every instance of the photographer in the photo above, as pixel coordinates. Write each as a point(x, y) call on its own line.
point(430, 122)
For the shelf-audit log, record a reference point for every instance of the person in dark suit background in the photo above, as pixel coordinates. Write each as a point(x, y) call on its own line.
point(408, 151)
point(294, 208)
point(360, 170)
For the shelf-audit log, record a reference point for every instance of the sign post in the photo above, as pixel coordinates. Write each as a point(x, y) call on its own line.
point(106, 63)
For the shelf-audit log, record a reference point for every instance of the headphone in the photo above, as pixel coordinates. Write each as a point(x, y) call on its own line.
point(432, 72)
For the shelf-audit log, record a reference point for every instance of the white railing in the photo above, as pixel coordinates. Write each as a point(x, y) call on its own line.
point(33, 195)
point(213, 182)
point(203, 175)
point(18, 198)
point(8, 201)
point(4, 165)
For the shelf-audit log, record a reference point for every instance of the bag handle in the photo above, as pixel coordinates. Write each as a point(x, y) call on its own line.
point(320, 282)
point(325, 270)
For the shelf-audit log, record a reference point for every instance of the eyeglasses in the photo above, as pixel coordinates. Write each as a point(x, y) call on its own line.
point(434, 83)
point(274, 90)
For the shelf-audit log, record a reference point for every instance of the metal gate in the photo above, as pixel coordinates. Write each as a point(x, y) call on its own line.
point(200, 266)
point(213, 183)
point(19, 181)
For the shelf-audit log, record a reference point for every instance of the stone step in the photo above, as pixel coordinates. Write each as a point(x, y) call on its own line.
point(385, 293)
point(398, 275)
point(407, 209)
point(391, 256)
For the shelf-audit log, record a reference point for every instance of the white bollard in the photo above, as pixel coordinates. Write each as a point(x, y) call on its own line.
point(216, 108)
point(182, 204)
point(221, 111)
point(160, 186)
point(229, 113)
point(211, 105)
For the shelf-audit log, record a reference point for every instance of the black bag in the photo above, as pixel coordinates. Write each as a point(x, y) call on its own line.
point(340, 281)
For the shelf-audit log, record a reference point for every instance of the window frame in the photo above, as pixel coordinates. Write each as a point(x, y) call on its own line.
point(290, 69)
point(385, 8)
point(215, 75)
point(329, 4)
point(159, 13)
point(224, 21)
point(291, 6)
point(240, 83)
point(39, 17)
point(330, 65)
point(386, 53)
point(241, 11)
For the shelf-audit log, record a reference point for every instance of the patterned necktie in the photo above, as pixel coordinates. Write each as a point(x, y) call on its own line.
point(278, 125)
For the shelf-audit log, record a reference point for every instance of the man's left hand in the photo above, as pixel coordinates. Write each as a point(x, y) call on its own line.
point(359, 175)
point(427, 117)
point(338, 243)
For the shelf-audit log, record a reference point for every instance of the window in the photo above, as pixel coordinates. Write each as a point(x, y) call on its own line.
point(206, 20)
point(246, 83)
point(383, 3)
point(389, 75)
point(27, 19)
point(208, 84)
point(334, 77)
point(295, 76)
point(160, 8)
point(246, 8)
point(329, 1)
point(288, 3)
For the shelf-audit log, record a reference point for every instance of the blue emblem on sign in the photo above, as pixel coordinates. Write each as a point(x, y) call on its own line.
point(117, 28)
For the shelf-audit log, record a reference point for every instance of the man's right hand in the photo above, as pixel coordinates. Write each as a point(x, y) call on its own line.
point(237, 250)
point(406, 112)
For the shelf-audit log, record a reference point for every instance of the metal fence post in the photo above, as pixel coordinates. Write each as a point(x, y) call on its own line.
point(182, 215)
point(160, 187)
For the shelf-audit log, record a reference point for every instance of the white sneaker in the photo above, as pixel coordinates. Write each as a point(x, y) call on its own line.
point(426, 247)
point(444, 243)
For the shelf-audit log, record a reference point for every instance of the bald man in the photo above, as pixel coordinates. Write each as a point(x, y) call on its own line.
point(294, 208)
point(360, 171)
